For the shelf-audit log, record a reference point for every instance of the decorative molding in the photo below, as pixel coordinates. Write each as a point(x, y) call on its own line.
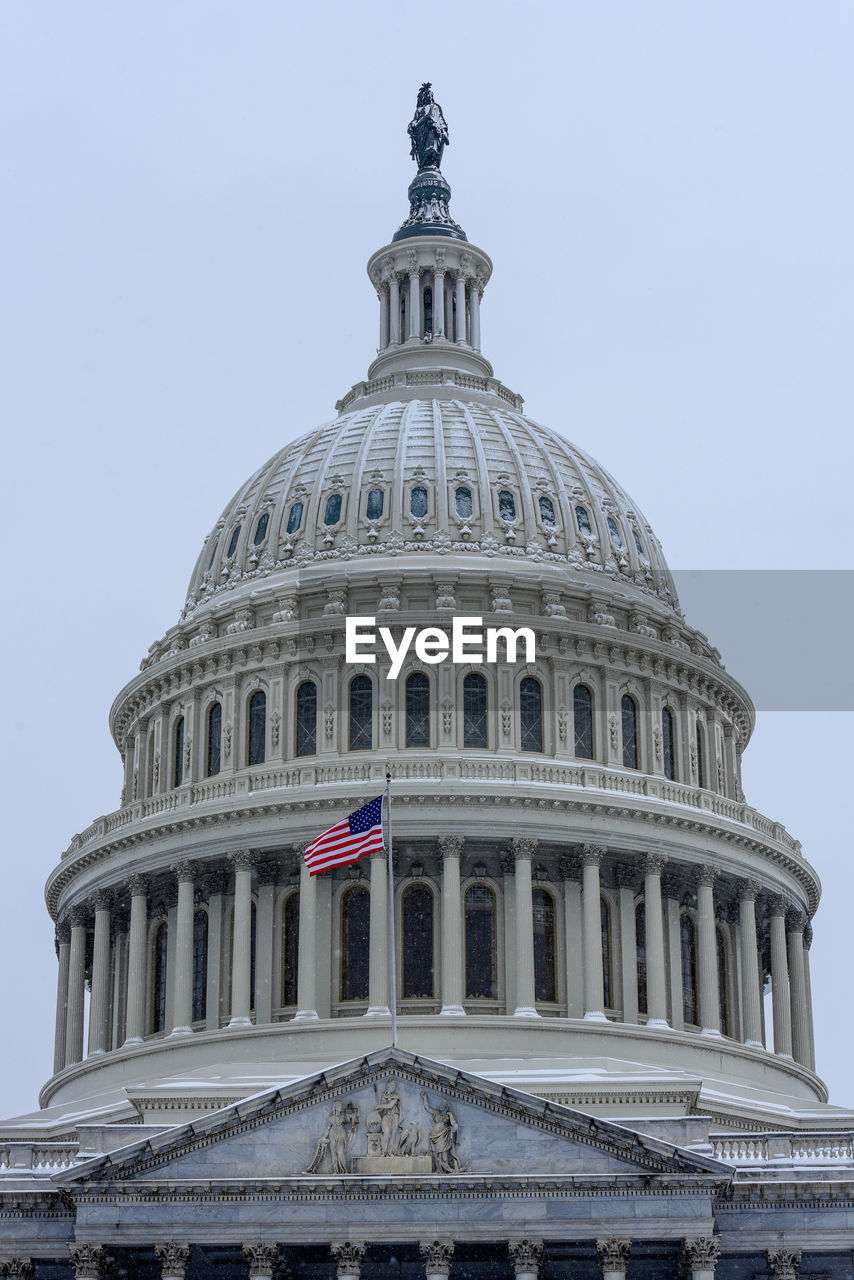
point(451, 846)
point(526, 1255)
point(784, 1264)
point(88, 1260)
point(436, 1256)
point(613, 1253)
point(348, 1257)
point(173, 1259)
point(263, 1259)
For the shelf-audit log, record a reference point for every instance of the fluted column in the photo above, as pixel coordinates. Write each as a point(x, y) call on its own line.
point(436, 1256)
point(439, 302)
point(99, 1004)
point(526, 1256)
point(348, 1257)
point(701, 1255)
point(307, 967)
point(626, 879)
point(656, 989)
point(263, 1260)
point(780, 980)
point(452, 926)
point(523, 851)
point(707, 955)
point(613, 1255)
point(591, 920)
point(174, 1260)
point(268, 875)
point(63, 949)
point(808, 989)
point(382, 292)
point(671, 890)
point(137, 946)
point(76, 976)
point(474, 296)
point(182, 1006)
point(394, 309)
point(571, 871)
point(752, 1025)
point(241, 952)
point(460, 307)
point(799, 1011)
point(415, 303)
point(378, 949)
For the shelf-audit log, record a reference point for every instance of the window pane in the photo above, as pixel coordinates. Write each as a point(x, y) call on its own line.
point(582, 709)
point(689, 968)
point(474, 711)
point(333, 509)
point(531, 714)
point(295, 517)
point(261, 529)
point(640, 942)
point(547, 511)
point(290, 949)
point(178, 757)
point(417, 943)
point(480, 942)
point(464, 503)
point(418, 502)
point(232, 546)
point(417, 710)
point(355, 937)
point(630, 732)
point(506, 505)
point(306, 744)
point(639, 545)
point(583, 520)
point(614, 531)
point(375, 504)
point(257, 728)
point(361, 714)
point(214, 739)
point(200, 965)
point(667, 744)
point(545, 986)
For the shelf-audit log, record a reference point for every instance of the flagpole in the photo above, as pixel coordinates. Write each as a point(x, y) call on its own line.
point(392, 943)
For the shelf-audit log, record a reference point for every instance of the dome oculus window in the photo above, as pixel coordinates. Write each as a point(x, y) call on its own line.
point(375, 503)
point(333, 509)
point(616, 536)
point(547, 512)
point(582, 519)
point(261, 528)
point(232, 545)
point(418, 502)
point(506, 505)
point(463, 502)
point(295, 517)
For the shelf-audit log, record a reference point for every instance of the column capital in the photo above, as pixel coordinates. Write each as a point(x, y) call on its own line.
point(653, 864)
point(349, 1257)
point(87, 1260)
point(213, 883)
point(382, 854)
point(137, 886)
point(300, 848)
point(63, 932)
point(101, 900)
point(268, 871)
point(436, 1256)
point(613, 1254)
point(78, 916)
point(795, 920)
point(18, 1267)
point(526, 1255)
point(706, 875)
point(777, 905)
point(451, 846)
point(523, 848)
point(173, 1259)
point(263, 1259)
point(241, 860)
point(592, 854)
point(784, 1264)
point(671, 885)
point(808, 936)
point(748, 890)
point(702, 1253)
point(183, 872)
point(627, 877)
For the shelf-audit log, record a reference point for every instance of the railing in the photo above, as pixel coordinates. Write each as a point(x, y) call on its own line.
point(36, 1157)
point(785, 1148)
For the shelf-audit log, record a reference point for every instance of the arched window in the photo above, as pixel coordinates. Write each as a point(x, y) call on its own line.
point(668, 743)
point(158, 977)
point(463, 502)
point(361, 714)
point(583, 521)
point(639, 546)
point(295, 517)
point(374, 505)
point(214, 739)
point(355, 940)
point(607, 954)
point(701, 756)
point(178, 753)
point(333, 509)
point(480, 942)
point(306, 719)
point(418, 502)
point(257, 752)
point(615, 535)
point(417, 933)
point(290, 948)
point(545, 958)
point(582, 713)
point(630, 732)
point(232, 545)
point(417, 710)
point(723, 984)
point(475, 710)
point(531, 714)
point(688, 944)
point(506, 505)
point(261, 528)
point(200, 965)
point(640, 948)
point(547, 511)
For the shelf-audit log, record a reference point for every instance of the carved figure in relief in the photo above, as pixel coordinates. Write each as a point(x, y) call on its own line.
point(334, 1146)
point(395, 1138)
point(443, 1138)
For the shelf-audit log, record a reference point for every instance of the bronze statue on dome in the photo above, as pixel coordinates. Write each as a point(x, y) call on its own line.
point(428, 130)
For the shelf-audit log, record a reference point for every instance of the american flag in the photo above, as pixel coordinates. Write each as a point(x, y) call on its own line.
point(359, 833)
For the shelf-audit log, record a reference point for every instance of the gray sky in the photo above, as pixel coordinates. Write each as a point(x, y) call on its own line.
point(191, 190)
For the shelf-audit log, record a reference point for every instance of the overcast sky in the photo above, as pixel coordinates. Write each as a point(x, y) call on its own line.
point(190, 193)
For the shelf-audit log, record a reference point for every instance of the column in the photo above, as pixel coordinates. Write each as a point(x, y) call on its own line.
point(452, 926)
point(216, 884)
point(137, 947)
point(182, 1006)
point(76, 976)
point(526, 1256)
point(707, 955)
point(628, 943)
point(415, 303)
point(799, 1013)
point(378, 950)
point(241, 952)
point(394, 309)
point(613, 1255)
point(701, 1255)
point(439, 302)
point(263, 1260)
point(99, 1004)
point(591, 928)
point(671, 889)
point(752, 1028)
point(268, 875)
point(63, 948)
point(523, 851)
point(382, 293)
point(780, 980)
point(784, 1264)
point(306, 972)
point(174, 1260)
point(119, 937)
point(474, 297)
point(460, 305)
point(436, 1256)
point(88, 1260)
point(808, 989)
point(656, 990)
point(348, 1259)
point(571, 870)
point(18, 1268)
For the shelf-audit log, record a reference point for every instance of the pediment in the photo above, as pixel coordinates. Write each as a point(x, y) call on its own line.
point(393, 1114)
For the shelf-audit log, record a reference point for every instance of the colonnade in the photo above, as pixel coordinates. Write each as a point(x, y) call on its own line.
point(453, 311)
point(109, 943)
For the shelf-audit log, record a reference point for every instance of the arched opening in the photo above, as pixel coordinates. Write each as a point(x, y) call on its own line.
point(178, 752)
point(294, 517)
point(232, 545)
point(361, 737)
point(607, 953)
point(417, 932)
point(333, 509)
point(480, 936)
point(688, 947)
point(531, 714)
point(214, 751)
point(668, 744)
point(629, 710)
point(290, 948)
point(355, 943)
point(158, 977)
point(545, 952)
point(723, 983)
point(582, 714)
point(640, 950)
point(200, 965)
point(261, 528)
point(257, 745)
point(306, 719)
point(417, 710)
point(582, 519)
point(475, 711)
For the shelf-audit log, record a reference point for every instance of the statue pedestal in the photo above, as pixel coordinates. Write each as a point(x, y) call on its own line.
point(392, 1166)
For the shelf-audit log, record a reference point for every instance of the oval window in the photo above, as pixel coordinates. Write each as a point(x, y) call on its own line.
point(374, 509)
point(232, 546)
point(547, 512)
point(418, 502)
point(261, 529)
point(583, 521)
point(295, 517)
point(464, 503)
point(616, 536)
point(506, 505)
point(333, 509)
